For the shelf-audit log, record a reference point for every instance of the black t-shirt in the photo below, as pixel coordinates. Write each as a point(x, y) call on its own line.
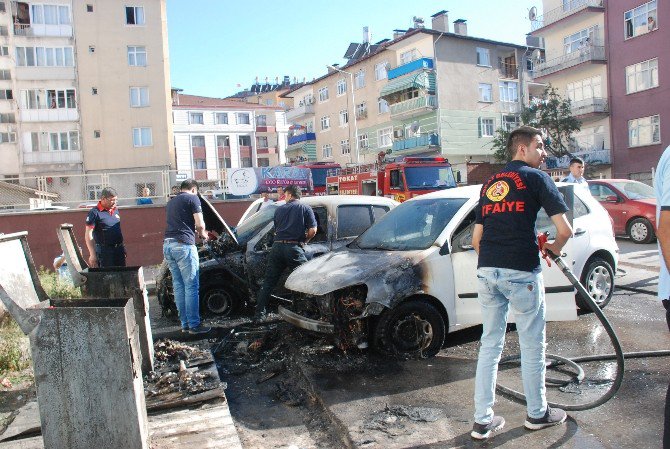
point(292, 220)
point(180, 221)
point(106, 224)
point(508, 207)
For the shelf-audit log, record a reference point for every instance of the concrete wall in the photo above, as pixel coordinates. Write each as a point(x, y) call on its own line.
point(142, 227)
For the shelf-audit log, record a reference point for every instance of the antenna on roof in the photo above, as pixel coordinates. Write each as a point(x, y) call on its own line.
point(536, 56)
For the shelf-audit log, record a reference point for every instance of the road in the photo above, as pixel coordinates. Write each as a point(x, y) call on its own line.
point(361, 400)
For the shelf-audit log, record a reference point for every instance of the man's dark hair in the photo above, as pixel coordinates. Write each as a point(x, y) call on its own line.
point(293, 190)
point(108, 192)
point(522, 135)
point(188, 184)
point(576, 160)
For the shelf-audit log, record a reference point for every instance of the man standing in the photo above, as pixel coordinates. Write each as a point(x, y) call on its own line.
point(662, 188)
point(184, 220)
point(576, 175)
point(295, 225)
point(103, 233)
point(509, 273)
point(266, 200)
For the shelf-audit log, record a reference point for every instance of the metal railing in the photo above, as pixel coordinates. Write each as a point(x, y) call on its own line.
point(586, 54)
point(589, 106)
point(415, 104)
point(415, 142)
point(508, 71)
point(564, 11)
point(52, 157)
point(596, 157)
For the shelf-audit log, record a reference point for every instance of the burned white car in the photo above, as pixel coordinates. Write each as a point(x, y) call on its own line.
point(411, 277)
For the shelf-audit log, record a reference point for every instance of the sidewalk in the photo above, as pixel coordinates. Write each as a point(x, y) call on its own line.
point(638, 271)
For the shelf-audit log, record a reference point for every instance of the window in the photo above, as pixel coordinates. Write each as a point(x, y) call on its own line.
point(325, 122)
point(196, 118)
point(221, 118)
point(44, 57)
point(483, 57)
point(222, 141)
point(261, 120)
point(91, 48)
point(7, 137)
point(243, 118)
point(584, 89)
point(3, 7)
point(197, 141)
point(408, 56)
point(359, 79)
point(137, 56)
point(327, 150)
point(344, 146)
point(642, 76)
point(225, 162)
point(245, 161)
point(640, 20)
point(510, 122)
point(361, 111)
point(644, 131)
point(244, 141)
point(96, 134)
point(579, 40)
point(363, 140)
point(486, 127)
point(142, 137)
point(134, 15)
point(485, 92)
point(383, 106)
point(380, 71)
point(55, 141)
point(48, 99)
point(94, 91)
point(263, 162)
point(199, 164)
point(509, 91)
point(385, 137)
point(4, 50)
point(89, 8)
point(7, 118)
point(94, 191)
point(262, 142)
point(344, 117)
point(5, 75)
point(139, 97)
point(323, 94)
point(353, 220)
point(341, 87)
point(6, 94)
point(50, 14)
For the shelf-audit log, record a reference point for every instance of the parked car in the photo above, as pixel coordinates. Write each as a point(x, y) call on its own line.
point(411, 278)
point(631, 204)
point(232, 266)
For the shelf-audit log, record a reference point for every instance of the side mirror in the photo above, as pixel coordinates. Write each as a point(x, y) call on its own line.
point(611, 199)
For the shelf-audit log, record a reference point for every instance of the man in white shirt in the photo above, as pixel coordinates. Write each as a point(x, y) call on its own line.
point(576, 175)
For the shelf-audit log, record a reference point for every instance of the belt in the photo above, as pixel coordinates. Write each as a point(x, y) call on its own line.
point(110, 245)
point(172, 239)
point(288, 241)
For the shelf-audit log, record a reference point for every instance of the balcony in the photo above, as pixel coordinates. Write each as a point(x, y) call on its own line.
point(52, 157)
point(49, 115)
point(589, 53)
point(299, 111)
point(415, 142)
point(510, 107)
point(595, 157)
point(568, 9)
point(27, 29)
point(418, 64)
point(301, 138)
point(589, 107)
point(265, 128)
point(414, 107)
point(266, 150)
point(508, 71)
point(199, 152)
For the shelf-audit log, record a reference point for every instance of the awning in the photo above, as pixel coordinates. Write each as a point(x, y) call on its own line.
point(422, 80)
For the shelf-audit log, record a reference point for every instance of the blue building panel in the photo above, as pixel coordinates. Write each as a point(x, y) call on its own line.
point(301, 138)
point(418, 64)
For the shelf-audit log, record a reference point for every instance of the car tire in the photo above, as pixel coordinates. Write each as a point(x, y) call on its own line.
point(640, 230)
point(414, 328)
point(598, 279)
point(215, 299)
point(164, 291)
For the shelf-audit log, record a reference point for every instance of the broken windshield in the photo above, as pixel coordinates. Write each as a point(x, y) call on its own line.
point(429, 178)
point(412, 225)
point(252, 225)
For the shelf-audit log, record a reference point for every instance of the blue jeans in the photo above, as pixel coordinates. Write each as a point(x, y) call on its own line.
point(497, 289)
point(182, 259)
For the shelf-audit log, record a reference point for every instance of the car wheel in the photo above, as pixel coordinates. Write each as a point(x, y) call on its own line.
point(415, 328)
point(164, 291)
point(216, 300)
point(598, 280)
point(641, 230)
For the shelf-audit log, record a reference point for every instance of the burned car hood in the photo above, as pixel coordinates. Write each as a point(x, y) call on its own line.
point(346, 267)
point(214, 221)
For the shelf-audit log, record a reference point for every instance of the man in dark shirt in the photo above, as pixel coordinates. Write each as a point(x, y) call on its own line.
point(103, 233)
point(184, 220)
point(509, 273)
point(295, 225)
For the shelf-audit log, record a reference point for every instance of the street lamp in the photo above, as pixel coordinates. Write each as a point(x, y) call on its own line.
point(353, 100)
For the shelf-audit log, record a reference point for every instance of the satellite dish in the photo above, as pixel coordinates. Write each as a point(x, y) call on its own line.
point(415, 126)
point(536, 55)
point(532, 13)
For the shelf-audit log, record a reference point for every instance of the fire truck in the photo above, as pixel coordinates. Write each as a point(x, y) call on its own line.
point(399, 180)
point(319, 172)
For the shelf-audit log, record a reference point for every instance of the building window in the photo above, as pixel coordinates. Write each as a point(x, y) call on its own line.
point(222, 141)
point(94, 91)
point(359, 79)
point(199, 164)
point(4, 50)
point(48, 99)
point(327, 150)
point(55, 141)
point(142, 137)
point(4, 31)
point(139, 97)
point(137, 56)
point(243, 118)
point(323, 94)
point(385, 137)
point(6, 94)
point(3, 7)
point(644, 131)
point(261, 120)
point(408, 56)
point(50, 14)
point(94, 191)
point(7, 118)
point(5, 75)
point(89, 8)
point(341, 87)
point(585, 89)
point(509, 91)
point(225, 162)
point(221, 118)
point(485, 92)
point(642, 76)
point(244, 141)
point(196, 118)
point(510, 122)
point(486, 127)
point(363, 140)
point(7, 137)
point(579, 40)
point(262, 142)
point(44, 57)
point(246, 162)
point(361, 111)
point(325, 122)
point(263, 162)
point(344, 146)
point(198, 141)
point(383, 106)
point(97, 133)
point(134, 15)
point(483, 57)
point(344, 117)
point(640, 20)
point(380, 71)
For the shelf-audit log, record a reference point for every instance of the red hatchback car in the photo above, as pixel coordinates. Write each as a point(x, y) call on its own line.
point(631, 204)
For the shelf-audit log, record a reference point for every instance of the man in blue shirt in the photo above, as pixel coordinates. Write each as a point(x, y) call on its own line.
point(103, 233)
point(295, 225)
point(184, 221)
point(576, 175)
point(509, 273)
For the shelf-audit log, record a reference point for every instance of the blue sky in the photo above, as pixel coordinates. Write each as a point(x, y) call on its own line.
point(217, 44)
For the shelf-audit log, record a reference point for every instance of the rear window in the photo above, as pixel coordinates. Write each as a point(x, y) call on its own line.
point(352, 220)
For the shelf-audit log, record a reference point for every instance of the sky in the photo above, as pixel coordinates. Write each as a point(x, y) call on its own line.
point(216, 45)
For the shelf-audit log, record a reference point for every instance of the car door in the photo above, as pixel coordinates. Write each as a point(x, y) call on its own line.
point(320, 244)
point(617, 210)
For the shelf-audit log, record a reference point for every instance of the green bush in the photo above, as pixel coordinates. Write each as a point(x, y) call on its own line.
point(56, 287)
point(14, 354)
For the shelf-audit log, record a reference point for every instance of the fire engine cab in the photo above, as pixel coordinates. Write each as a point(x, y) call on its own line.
point(400, 180)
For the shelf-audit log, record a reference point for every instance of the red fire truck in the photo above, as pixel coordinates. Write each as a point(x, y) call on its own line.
point(319, 172)
point(398, 180)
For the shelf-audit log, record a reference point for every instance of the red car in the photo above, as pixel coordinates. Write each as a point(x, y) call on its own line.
point(631, 204)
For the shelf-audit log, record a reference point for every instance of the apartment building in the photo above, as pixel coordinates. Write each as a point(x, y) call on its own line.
point(575, 62)
point(85, 90)
point(212, 134)
point(301, 142)
point(637, 39)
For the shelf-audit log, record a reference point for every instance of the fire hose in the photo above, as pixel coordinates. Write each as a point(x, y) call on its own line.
point(578, 375)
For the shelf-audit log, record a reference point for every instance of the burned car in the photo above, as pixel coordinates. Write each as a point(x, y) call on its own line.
point(410, 278)
point(233, 265)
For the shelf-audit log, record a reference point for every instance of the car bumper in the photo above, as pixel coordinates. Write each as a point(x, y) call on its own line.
point(305, 323)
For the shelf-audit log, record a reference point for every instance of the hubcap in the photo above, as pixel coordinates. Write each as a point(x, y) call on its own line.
point(218, 302)
point(638, 232)
point(412, 333)
point(599, 284)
